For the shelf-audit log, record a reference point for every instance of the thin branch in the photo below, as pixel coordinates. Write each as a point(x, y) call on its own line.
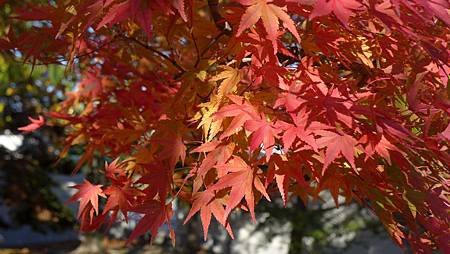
point(210, 44)
point(96, 49)
point(146, 46)
point(60, 61)
point(219, 21)
point(196, 49)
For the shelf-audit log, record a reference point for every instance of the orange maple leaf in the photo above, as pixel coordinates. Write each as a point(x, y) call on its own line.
point(269, 13)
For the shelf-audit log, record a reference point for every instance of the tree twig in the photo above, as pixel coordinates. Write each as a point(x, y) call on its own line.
point(196, 49)
point(210, 44)
point(219, 21)
point(159, 53)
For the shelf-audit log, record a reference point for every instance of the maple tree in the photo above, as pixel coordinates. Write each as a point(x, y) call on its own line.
point(220, 103)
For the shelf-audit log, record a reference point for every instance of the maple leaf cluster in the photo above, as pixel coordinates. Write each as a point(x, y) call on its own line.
point(223, 103)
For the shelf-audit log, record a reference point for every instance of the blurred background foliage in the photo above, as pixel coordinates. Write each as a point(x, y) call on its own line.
point(27, 160)
point(25, 167)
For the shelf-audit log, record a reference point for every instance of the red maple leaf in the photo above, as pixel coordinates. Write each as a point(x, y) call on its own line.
point(380, 145)
point(337, 144)
point(155, 214)
point(217, 155)
point(140, 11)
point(284, 172)
point(240, 110)
point(446, 133)
point(180, 6)
point(157, 176)
point(87, 194)
point(115, 172)
point(290, 101)
point(208, 205)
point(172, 145)
point(342, 9)
point(241, 178)
point(297, 130)
point(34, 125)
point(263, 133)
point(120, 199)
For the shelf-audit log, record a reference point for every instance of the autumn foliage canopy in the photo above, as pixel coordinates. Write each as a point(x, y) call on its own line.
point(223, 103)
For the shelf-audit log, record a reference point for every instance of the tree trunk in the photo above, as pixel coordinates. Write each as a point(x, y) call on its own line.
point(297, 232)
